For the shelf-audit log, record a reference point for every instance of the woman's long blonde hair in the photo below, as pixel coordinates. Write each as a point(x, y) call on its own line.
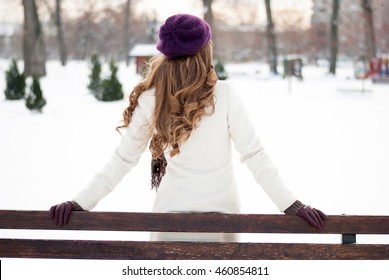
point(183, 90)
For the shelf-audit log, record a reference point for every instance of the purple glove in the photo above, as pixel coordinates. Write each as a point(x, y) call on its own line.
point(313, 216)
point(60, 213)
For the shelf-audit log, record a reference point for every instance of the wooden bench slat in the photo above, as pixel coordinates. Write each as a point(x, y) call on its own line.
point(122, 250)
point(193, 222)
point(348, 226)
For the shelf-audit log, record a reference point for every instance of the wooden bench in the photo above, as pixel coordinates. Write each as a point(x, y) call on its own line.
point(346, 226)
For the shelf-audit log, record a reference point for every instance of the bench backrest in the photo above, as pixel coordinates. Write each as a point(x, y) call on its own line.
point(347, 226)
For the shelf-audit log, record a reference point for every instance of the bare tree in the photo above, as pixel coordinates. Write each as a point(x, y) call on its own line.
point(208, 14)
point(271, 39)
point(151, 30)
point(334, 40)
point(292, 39)
point(56, 17)
point(371, 47)
point(60, 38)
point(33, 43)
point(208, 17)
point(86, 33)
point(126, 31)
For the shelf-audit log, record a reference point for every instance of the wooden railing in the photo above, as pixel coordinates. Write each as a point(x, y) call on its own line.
point(346, 226)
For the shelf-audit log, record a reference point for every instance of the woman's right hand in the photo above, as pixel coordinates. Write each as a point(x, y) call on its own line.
point(313, 216)
point(60, 213)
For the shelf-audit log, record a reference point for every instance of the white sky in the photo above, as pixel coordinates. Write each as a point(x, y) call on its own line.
point(10, 10)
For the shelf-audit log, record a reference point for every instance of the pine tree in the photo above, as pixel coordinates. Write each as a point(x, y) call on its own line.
point(111, 88)
point(94, 84)
point(16, 83)
point(35, 100)
point(220, 70)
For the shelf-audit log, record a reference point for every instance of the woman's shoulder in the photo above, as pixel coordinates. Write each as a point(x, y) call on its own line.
point(225, 89)
point(146, 102)
point(148, 96)
point(222, 85)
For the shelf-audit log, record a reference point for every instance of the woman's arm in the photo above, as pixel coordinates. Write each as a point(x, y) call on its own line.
point(125, 157)
point(252, 153)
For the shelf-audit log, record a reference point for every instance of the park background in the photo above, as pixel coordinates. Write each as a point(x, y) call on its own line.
point(326, 130)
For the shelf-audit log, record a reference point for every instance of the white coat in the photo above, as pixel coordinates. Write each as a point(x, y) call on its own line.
point(201, 178)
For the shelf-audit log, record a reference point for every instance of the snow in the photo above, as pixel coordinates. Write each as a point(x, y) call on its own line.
point(327, 137)
point(144, 50)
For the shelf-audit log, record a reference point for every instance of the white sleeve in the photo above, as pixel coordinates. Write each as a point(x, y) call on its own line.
point(125, 157)
point(247, 143)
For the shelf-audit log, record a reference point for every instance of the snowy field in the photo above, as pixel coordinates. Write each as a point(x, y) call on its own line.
point(328, 138)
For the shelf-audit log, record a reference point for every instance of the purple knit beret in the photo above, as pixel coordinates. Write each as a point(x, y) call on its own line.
point(183, 35)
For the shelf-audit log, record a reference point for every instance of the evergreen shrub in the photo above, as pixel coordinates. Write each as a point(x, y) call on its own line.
point(15, 82)
point(94, 77)
point(111, 88)
point(35, 100)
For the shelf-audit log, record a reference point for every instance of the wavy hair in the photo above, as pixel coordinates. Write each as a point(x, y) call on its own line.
point(184, 94)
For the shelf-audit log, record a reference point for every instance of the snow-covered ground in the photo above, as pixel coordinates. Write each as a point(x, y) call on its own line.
point(327, 135)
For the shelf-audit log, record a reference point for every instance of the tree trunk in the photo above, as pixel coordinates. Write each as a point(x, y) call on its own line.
point(33, 44)
point(151, 28)
point(60, 38)
point(371, 47)
point(208, 17)
point(127, 32)
point(271, 40)
point(334, 40)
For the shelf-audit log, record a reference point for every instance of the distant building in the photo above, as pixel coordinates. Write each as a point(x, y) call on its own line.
point(142, 54)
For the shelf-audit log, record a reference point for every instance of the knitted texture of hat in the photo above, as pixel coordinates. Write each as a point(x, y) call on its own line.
point(183, 35)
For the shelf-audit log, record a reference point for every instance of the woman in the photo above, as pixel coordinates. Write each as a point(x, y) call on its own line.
point(188, 118)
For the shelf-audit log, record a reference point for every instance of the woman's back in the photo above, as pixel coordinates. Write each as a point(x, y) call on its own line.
point(201, 177)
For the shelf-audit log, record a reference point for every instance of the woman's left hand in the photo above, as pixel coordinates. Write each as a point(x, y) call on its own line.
point(60, 213)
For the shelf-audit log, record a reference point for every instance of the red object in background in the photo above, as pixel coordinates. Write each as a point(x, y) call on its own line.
point(375, 67)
